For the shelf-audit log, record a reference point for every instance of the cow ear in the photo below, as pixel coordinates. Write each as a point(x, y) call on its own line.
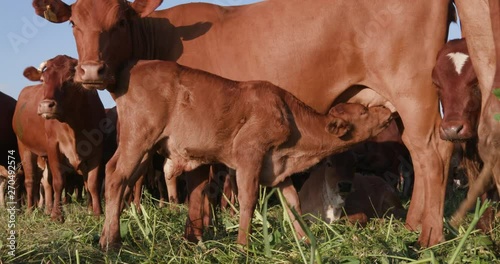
point(338, 127)
point(32, 74)
point(145, 7)
point(55, 11)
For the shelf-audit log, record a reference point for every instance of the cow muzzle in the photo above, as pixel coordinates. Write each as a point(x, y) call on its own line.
point(345, 188)
point(456, 130)
point(48, 109)
point(92, 75)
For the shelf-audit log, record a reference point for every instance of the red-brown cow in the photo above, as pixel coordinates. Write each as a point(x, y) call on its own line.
point(8, 144)
point(256, 128)
point(49, 121)
point(384, 51)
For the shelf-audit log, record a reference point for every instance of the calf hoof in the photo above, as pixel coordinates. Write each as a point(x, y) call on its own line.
point(57, 218)
point(486, 221)
point(107, 246)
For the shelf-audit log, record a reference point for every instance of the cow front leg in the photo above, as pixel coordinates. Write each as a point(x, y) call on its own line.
point(31, 180)
point(431, 157)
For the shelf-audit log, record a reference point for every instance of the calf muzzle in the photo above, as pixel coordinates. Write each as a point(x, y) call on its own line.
point(455, 130)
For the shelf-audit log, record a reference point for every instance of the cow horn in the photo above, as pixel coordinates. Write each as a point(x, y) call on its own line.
point(42, 66)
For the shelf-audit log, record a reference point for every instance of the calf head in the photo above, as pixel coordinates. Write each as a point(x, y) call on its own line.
point(339, 172)
point(102, 30)
point(458, 91)
point(56, 76)
point(355, 122)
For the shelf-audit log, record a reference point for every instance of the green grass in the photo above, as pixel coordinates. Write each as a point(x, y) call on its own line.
point(155, 236)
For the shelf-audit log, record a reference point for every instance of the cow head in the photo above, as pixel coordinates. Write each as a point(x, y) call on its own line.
point(102, 30)
point(352, 121)
point(56, 76)
point(458, 92)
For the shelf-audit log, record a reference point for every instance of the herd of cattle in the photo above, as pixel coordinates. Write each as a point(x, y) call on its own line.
point(354, 122)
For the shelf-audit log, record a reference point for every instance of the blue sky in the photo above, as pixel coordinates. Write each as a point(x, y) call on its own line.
point(27, 40)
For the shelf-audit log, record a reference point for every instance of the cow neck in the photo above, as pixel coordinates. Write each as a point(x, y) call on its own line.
point(78, 108)
point(147, 34)
point(309, 134)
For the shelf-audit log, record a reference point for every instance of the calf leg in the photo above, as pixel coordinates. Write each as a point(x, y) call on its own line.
point(476, 189)
point(122, 170)
point(196, 181)
point(292, 198)
point(247, 179)
point(171, 181)
point(138, 192)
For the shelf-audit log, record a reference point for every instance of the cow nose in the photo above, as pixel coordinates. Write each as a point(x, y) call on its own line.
point(48, 104)
point(47, 108)
point(345, 187)
point(92, 72)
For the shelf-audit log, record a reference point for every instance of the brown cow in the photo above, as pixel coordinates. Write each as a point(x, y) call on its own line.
point(8, 144)
point(317, 50)
point(64, 133)
point(256, 128)
point(334, 189)
point(489, 128)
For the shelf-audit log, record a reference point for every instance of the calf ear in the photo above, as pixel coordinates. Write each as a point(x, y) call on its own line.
point(338, 127)
point(55, 11)
point(145, 7)
point(32, 74)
